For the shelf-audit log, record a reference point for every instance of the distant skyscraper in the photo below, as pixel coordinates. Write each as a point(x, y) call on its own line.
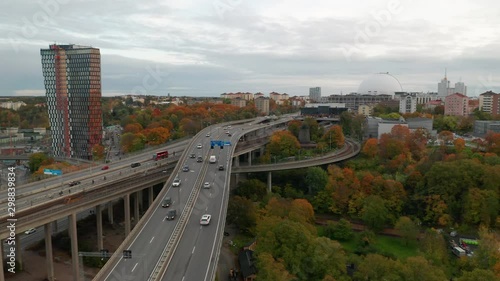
point(443, 87)
point(72, 78)
point(315, 94)
point(461, 88)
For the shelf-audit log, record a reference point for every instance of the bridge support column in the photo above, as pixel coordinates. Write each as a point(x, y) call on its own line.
point(269, 182)
point(98, 216)
point(136, 207)
point(236, 161)
point(19, 253)
point(139, 193)
point(250, 158)
point(48, 251)
point(75, 259)
point(110, 212)
point(126, 202)
point(55, 227)
point(150, 196)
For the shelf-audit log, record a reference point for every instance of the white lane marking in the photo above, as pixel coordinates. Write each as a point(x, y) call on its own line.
point(151, 239)
point(183, 278)
point(134, 267)
point(192, 252)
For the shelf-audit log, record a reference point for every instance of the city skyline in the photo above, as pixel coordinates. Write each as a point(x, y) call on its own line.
point(206, 48)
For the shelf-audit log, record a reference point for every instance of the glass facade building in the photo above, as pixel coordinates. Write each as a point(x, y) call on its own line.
point(72, 78)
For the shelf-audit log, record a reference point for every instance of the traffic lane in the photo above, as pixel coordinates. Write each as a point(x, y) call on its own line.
point(147, 247)
point(189, 248)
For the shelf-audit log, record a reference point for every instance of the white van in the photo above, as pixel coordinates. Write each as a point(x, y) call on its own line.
point(212, 159)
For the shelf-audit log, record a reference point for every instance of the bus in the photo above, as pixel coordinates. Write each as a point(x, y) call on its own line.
point(160, 155)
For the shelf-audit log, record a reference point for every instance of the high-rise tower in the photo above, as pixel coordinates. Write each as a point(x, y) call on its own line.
point(72, 78)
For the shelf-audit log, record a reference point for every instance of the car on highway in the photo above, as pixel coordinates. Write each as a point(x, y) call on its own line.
point(192, 155)
point(229, 135)
point(200, 159)
point(133, 165)
point(205, 219)
point(185, 168)
point(171, 215)
point(73, 183)
point(207, 135)
point(166, 202)
point(177, 182)
point(221, 167)
point(199, 146)
point(105, 168)
point(29, 231)
point(206, 185)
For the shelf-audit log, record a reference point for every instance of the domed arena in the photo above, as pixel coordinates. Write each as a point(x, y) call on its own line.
point(380, 84)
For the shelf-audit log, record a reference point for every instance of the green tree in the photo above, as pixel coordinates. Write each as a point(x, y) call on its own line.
point(283, 144)
point(252, 189)
point(478, 274)
point(341, 230)
point(375, 214)
point(418, 268)
point(434, 248)
point(407, 229)
point(242, 213)
point(316, 179)
point(378, 268)
point(36, 160)
point(481, 207)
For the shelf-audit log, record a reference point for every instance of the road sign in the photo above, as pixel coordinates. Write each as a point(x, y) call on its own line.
point(52, 172)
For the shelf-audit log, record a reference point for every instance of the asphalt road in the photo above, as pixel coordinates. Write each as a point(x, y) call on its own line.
point(42, 191)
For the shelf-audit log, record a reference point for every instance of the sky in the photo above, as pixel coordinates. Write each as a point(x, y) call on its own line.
point(209, 47)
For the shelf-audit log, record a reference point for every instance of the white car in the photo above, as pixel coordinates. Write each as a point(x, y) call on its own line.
point(207, 135)
point(199, 146)
point(29, 231)
point(205, 219)
point(177, 182)
point(206, 185)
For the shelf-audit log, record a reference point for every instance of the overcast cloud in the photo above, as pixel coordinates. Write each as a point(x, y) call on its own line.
point(208, 47)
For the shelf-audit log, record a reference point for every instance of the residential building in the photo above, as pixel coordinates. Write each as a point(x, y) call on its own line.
point(457, 105)
point(315, 94)
point(366, 109)
point(239, 102)
point(12, 105)
point(407, 104)
point(72, 78)
point(489, 102)
point(262, 105)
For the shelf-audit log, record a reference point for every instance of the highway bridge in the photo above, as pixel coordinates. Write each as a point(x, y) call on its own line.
point(159, 247)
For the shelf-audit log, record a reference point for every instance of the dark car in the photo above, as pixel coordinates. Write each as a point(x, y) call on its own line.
point(200, 159)
point(192, 155)
point(133, 165)
point(73, 183)
point(221, 168)
point(171, 215)
point(185, 168)
point(166, 202)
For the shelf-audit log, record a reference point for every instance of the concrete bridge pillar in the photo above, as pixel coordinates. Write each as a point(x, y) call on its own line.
point(48, 251)
point(110, 212)
point(98, 216)
point(19, 253)
point(75, 259)
point(250, 158)
point(269, 182)
point(150, 196)
point(136, 206)
point(126, 202)
point(236, 161)
point(139, 193)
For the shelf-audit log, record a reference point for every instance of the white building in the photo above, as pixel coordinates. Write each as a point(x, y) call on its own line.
point(407, 104)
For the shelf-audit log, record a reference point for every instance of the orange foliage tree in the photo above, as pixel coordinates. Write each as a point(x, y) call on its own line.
point(334, 137)
point(283, 144)
point(156, 136)
point(370, 149)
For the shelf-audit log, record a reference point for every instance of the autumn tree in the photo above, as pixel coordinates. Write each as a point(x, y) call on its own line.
point(434, 247)
point(418, 268)
point(370, 148)
point(478, 274)
point(271, 269)
point(459, 144)
point(36, 160)
point(334, 137)
point(98, 152)
point(133, 128)
point(493, 142)
point(283, 144)
point(156, 136)
point(378, 268)
point(481, 207)
point(294, 127)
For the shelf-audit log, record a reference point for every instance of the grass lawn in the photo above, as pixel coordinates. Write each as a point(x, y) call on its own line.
point(385, 244)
